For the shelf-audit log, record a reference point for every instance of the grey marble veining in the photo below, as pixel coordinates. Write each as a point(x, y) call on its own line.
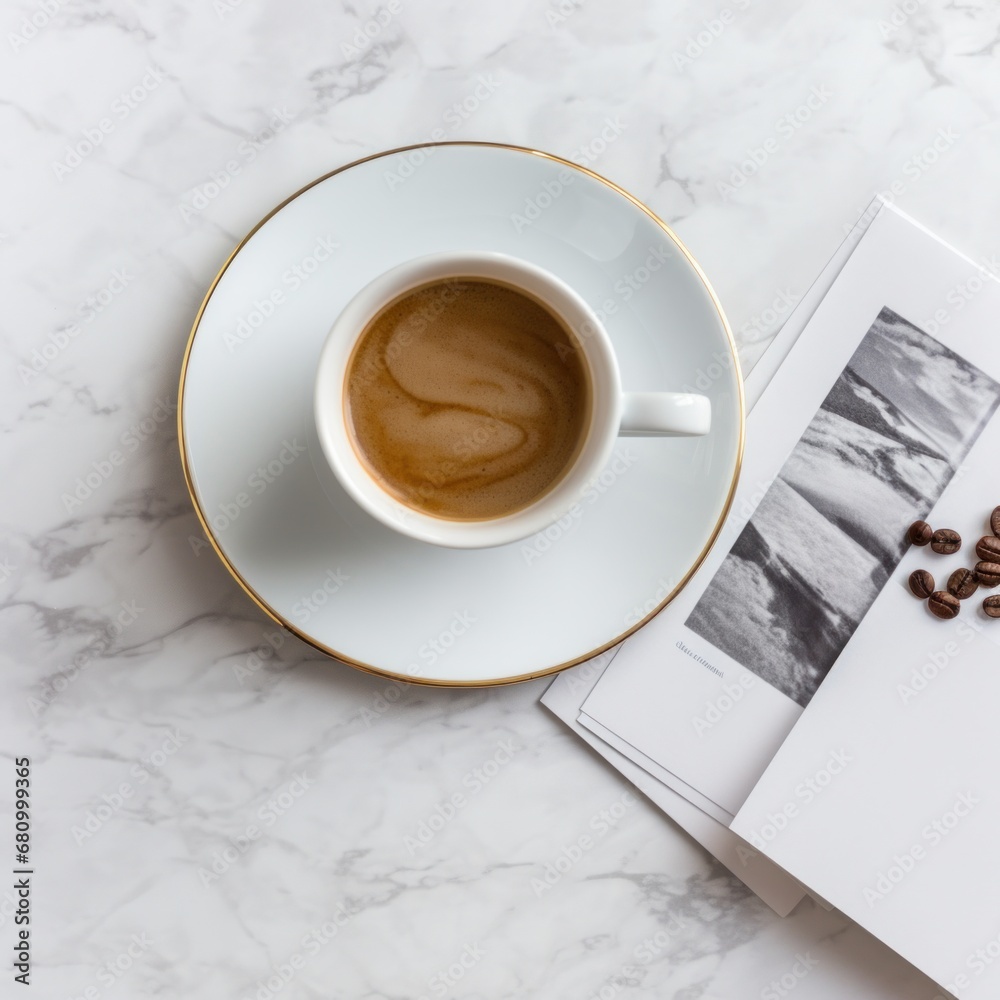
point(215, 804)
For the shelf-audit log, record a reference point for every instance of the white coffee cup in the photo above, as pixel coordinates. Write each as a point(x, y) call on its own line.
point(614, 413)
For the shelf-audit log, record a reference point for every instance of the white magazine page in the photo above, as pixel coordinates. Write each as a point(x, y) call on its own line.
point(885, 797)
point(862, 429)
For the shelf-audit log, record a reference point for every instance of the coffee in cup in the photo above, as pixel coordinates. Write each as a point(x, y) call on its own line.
point(467, 399)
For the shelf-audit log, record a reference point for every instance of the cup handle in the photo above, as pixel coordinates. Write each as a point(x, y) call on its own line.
point(665, 414)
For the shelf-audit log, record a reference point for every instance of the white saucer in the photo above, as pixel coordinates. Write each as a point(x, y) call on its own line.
point(355, 588)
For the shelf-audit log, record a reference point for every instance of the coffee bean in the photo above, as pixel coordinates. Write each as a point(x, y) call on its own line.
point(920, 533)
point(988, 574)
point(942, 604)
point(988, 548)
point(991, 605)
point(995, 521)
point(921, 584)
point(962, 584)
point(946, 541)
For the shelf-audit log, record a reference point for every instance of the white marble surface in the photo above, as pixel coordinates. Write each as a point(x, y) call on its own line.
point(119, 246)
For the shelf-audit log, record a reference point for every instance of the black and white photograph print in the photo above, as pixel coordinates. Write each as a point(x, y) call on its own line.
point(879, 452)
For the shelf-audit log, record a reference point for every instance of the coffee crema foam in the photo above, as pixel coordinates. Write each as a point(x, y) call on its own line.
point(466, 399)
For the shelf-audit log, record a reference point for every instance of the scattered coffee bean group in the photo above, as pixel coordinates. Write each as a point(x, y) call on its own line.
point(963, 582)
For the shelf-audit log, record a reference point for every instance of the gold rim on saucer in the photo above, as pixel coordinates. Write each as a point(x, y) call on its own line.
point(405, 678)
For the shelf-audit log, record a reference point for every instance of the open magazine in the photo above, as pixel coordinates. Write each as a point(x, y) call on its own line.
point(884, 411)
